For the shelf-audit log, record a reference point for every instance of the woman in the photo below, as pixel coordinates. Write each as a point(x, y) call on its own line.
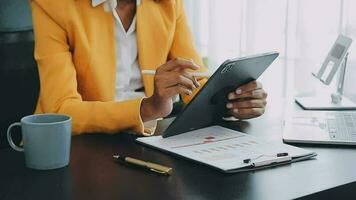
point(90, 54)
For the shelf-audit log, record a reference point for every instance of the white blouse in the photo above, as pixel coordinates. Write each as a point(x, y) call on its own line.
point(128, 75)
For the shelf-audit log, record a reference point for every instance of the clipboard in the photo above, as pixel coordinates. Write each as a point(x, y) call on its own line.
point(228, 150)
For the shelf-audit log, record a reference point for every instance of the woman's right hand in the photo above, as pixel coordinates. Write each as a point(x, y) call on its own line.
point(170, 80)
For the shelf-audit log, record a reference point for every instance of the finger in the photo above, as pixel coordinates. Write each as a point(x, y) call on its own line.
point(247, 113)
point(255, 94)
point(181, 80)
point(192, 78)
point(174, 90)
point(251, 103)
point(179, 63)
point(196, 82)
point(253, 85)
point(169, 79)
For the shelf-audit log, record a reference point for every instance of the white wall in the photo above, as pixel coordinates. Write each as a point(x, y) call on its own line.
point(302, 31)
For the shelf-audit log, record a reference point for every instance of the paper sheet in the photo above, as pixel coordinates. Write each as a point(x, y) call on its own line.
point(221, 147)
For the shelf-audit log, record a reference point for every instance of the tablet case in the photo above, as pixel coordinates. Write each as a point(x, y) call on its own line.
point(208, 108)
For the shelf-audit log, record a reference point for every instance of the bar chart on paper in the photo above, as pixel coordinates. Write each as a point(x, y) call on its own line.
point(215, 146)
point(220, 147)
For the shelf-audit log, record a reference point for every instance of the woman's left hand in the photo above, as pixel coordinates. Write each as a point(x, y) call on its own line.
point(247, 101)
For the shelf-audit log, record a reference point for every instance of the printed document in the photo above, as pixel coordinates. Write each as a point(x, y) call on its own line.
point(224, 148)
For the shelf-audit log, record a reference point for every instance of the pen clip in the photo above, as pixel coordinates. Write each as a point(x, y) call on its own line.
point(160, 172)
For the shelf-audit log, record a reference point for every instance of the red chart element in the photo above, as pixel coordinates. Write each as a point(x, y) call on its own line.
point(209, 138)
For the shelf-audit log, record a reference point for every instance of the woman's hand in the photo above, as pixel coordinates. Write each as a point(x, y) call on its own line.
point(247, 101)
point(170, 80)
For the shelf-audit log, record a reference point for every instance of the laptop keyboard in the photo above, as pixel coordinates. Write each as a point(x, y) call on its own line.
point(342, 126)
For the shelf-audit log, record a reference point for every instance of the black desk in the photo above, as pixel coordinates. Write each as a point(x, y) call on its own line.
point(92, 174)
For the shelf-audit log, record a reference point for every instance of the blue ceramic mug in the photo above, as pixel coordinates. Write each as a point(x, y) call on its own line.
point(46, 140)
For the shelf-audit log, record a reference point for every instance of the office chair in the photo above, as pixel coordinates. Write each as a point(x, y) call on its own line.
point(19, 79)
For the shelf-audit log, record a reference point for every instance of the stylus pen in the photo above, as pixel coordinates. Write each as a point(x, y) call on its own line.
point(196, 74)
point(160, 169)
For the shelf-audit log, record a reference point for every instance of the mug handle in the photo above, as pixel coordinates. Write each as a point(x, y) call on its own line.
point(9, 138)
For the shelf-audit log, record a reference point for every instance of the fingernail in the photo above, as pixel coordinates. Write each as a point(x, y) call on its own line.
point(235, 110)
point(231, 96)
point(254, 93)
point(238, 91)
point(191, 60)
point(229, 105)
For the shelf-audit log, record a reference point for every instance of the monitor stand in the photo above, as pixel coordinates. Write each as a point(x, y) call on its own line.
point(335, 101)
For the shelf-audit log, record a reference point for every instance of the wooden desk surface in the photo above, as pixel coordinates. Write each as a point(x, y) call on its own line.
point(92, 174)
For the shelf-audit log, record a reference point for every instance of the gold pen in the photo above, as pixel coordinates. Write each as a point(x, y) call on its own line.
point(147, 165)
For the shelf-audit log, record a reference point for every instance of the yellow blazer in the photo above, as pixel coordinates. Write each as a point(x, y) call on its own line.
point(75, 51)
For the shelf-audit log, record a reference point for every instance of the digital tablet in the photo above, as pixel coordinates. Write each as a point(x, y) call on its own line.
point(208, 107)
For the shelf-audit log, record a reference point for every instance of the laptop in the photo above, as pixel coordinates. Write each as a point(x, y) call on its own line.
point(320, 127)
